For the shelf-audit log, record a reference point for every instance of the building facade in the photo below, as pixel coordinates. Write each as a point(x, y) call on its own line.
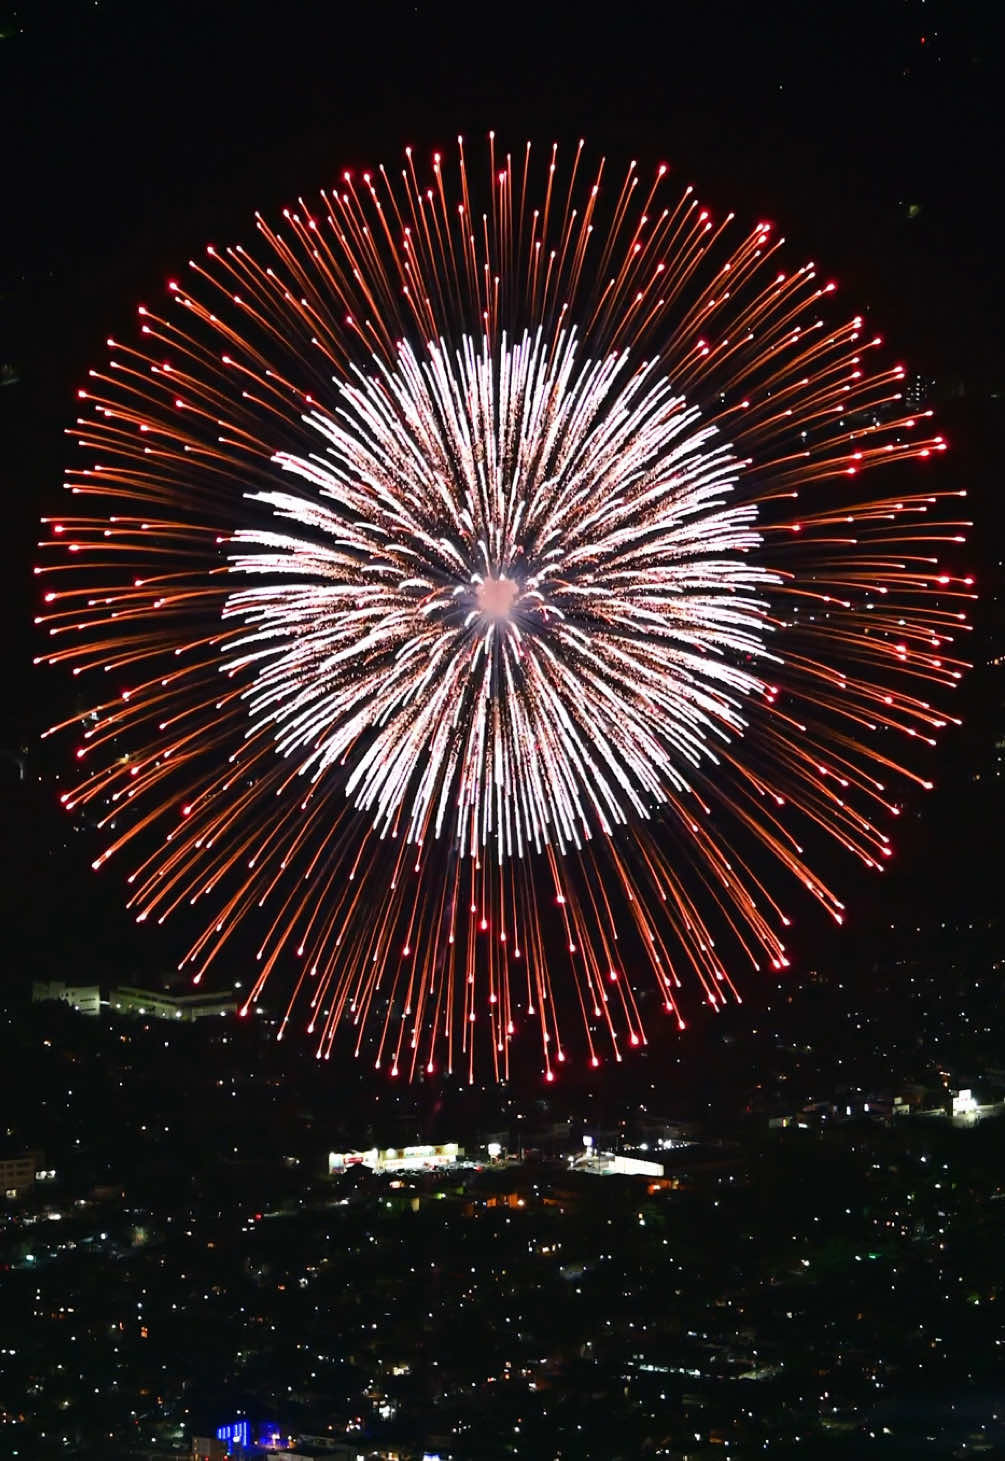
point(17, 1172)
point(83, 997)
point(127, 1000)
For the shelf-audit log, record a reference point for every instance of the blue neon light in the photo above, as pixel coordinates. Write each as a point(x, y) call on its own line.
point(238, 1433)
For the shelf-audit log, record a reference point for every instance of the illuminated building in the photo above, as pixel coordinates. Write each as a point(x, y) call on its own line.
point(86, 998)
point(170, 1006)
point(242, 1438)
point(208, 1448)
point(609, 1163)
point(397, 1159)
point(17, 1173)
point(612, 1164)
point(236, 1436)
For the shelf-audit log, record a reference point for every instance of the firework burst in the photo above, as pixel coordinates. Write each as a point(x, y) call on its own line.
point(483, 592)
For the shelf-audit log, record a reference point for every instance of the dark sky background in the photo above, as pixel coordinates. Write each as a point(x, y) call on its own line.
point(137, 132)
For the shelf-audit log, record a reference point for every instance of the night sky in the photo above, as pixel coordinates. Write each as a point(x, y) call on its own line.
point(136, 133)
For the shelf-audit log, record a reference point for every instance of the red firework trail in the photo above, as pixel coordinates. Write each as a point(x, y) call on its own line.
point(488, 602)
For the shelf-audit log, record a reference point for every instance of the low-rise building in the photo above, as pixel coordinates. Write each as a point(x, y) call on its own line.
point(162, 1006)
point(83, 997)
point(17, 1172)
point(397, 1159)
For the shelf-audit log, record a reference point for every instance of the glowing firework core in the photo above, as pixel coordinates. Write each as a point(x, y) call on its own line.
point(496, 597)
point(615, 499)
